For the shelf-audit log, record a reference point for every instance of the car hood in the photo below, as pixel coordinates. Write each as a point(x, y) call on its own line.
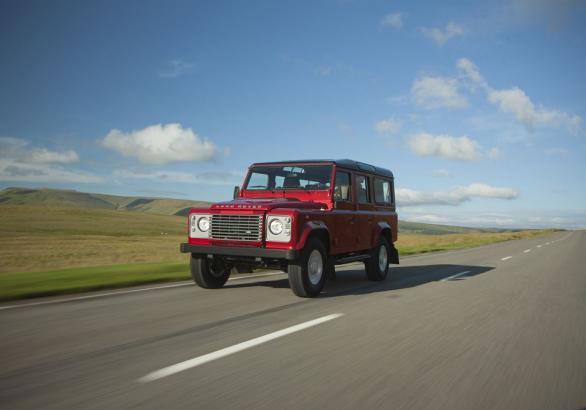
point(266, 204)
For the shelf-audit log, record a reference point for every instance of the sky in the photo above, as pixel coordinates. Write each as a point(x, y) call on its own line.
point(477, 107)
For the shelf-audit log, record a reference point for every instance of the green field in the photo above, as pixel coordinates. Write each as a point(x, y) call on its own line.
point(48, 250)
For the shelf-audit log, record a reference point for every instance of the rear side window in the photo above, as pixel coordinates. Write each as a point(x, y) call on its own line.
point(362, 192)
point(342, 186)
point(382, 192)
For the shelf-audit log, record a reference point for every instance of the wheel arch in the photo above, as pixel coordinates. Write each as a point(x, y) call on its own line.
point(384, 229)
point(315, 229)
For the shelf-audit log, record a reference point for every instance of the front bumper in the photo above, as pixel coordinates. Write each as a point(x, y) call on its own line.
point(287, 254)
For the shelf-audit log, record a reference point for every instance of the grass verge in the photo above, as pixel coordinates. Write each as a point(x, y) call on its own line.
point(410, 244)
point(25, 285)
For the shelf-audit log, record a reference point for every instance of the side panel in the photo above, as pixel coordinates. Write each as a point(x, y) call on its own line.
point(365, 212)
point(310, 227)
point(342, 222)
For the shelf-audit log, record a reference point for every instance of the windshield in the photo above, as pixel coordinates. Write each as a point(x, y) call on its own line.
point(306, 177)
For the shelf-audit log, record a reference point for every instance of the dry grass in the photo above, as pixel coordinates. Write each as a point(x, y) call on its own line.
point(34, 239)
point(409, 244)
point(49, 251)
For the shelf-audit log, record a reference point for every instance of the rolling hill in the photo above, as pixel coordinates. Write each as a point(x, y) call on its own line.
point(59, 198)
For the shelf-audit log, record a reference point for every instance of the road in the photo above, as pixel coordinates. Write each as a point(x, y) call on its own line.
point(496, 327)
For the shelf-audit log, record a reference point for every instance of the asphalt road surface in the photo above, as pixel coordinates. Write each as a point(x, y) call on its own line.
point(500, 326)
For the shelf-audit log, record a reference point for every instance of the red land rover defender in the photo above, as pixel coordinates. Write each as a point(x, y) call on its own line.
point(303, 217)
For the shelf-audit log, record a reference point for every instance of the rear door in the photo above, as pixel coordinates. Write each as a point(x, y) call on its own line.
point(364, 211)
point(384, 200)
point(344, 215)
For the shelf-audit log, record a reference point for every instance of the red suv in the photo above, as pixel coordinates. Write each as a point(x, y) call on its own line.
point(303, 217)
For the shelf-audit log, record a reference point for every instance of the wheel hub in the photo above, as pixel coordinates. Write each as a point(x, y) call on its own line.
point(383, 258)
point(315, 267)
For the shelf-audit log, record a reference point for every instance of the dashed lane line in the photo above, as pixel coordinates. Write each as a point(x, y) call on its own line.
point(218, 354)
point(457, 275)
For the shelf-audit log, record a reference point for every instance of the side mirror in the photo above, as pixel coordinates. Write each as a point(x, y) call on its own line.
point(236, 192)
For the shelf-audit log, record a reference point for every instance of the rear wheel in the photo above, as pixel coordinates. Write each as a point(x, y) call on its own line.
point(308, 273)
point(377, 267)
point(208, 273)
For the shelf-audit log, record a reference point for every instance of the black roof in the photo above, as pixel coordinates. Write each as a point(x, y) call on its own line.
point(345, 163)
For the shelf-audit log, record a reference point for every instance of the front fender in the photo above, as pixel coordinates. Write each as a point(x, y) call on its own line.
point(310, 227)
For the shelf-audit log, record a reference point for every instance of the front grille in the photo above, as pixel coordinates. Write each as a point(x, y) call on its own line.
point(236, 227)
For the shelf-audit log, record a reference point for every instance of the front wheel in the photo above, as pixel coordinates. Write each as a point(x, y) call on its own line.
point(208, 273)
point(308, 273)
point(377, 267)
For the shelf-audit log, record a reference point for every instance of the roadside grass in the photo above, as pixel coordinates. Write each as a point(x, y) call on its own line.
point(52, 251)
point(40, 238)
point(25, 285)
point(410, 244)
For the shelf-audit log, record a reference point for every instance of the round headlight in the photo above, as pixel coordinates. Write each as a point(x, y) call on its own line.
point(203, 224)
point(276, 226)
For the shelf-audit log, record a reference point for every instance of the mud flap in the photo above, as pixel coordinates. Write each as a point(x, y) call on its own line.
point(394, 255)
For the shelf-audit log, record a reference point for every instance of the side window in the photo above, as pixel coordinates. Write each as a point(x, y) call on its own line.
point(382, 191)
point(362, 194)
point(342, 186)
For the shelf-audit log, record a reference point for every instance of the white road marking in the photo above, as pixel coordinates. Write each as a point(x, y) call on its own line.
point(547, 243)
point(218, 354)
point(527, 251)
point(123, 292)
point(457, 275)
point(506, 258)
point(539, 246)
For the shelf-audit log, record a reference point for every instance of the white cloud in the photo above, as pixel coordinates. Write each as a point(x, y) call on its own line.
point(324, 70)
point(204, 178)
point(442, 36)
point(388, 127)
point(394, 20)
point(161, 144)
point(455, 196)
point(19, 149)
point(556, 152)
point(12, 170)
point(515, 101)
point(441, 173)
point(444, 146)
point(428, 218)
point(469, 71)
point(21, 163)
point(519, 219)
point(437, 92)
point(486, 191)
point(44, 156)
point(175, 68)
point(553, 12)
point(494, 153)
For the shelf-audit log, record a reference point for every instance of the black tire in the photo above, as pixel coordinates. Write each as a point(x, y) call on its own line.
point(207, 273)
point(372, 266)
point(299, 278)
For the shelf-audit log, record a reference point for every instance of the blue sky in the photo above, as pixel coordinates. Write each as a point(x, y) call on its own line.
point(477, 107)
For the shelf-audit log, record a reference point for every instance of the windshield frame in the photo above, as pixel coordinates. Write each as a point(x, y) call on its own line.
point(291, 165)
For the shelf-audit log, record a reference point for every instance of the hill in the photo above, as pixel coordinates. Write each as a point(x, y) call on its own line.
point(60, 198)
point(433, 229)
